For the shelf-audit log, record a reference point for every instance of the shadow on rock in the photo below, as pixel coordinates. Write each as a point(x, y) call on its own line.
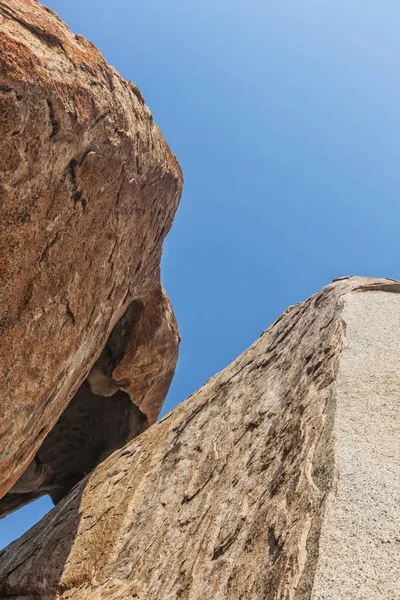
point(20, 571)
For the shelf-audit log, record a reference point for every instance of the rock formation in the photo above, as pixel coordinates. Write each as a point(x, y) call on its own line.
point(277, 479)
point(88, 192)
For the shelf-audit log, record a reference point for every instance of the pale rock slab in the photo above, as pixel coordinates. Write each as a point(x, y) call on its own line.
point(277, 479)
point(360, 538)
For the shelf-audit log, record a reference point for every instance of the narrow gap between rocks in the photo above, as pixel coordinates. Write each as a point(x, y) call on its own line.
point(99, 419)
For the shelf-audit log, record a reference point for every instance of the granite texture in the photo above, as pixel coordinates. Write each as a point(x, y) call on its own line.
point(277, 479)
point(88, 189)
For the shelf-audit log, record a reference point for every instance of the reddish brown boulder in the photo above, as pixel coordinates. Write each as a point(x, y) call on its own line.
point(88, 191)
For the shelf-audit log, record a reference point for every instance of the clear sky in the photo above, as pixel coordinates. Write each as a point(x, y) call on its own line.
point(284, 115)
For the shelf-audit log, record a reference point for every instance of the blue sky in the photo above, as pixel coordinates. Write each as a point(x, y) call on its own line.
point(284, 115)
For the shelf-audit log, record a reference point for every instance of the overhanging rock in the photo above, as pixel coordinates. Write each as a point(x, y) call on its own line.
point(88, 189)
point(278, 479)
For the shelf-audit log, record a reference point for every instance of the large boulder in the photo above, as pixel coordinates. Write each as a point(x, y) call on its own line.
point(277, 479)
point(137, 363)
point(88, 189)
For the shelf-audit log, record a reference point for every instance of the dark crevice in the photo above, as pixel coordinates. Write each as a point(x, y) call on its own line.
point(49, 247)
point(69, 311)
point(90, 429)
point(54, 123)
point(227, 543)
point(77, 196)
point(102, 116)
point(100, 419)
point(100, 376)
point(72, 173)
point(380, 287)
point(84, 155)
point(274, 544)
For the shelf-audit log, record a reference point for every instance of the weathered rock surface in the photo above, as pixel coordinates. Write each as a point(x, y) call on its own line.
point(277, 479)
point(88, 192)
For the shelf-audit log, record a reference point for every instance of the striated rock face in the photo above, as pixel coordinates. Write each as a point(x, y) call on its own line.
point(88, 191)
point(101, 418)
point(278, 479)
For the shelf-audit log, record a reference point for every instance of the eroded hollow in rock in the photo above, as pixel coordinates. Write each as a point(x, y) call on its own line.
point(100, 377)
point(100, 418)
